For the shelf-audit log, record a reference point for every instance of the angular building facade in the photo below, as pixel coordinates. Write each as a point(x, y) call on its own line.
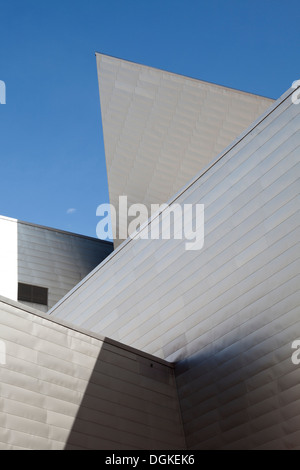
point(39, 265)
point(200, 341)
point(161, 128)
point(64, 388)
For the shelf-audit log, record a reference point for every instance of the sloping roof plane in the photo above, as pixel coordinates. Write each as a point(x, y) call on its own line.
point(244, 191)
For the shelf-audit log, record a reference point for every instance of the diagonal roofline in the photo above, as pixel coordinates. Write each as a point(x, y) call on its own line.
point(188, 77)
point(185, 188)
point(83, 331)
point(57, 230)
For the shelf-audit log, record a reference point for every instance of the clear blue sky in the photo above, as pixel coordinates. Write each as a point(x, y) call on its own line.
point(51, 153)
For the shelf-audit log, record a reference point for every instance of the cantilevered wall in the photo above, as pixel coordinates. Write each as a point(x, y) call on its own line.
point(161, 128)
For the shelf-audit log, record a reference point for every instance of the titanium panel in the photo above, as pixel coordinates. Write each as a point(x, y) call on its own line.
point(65, 389)
point(160, 129)
point(45, 257)
point(152, 295)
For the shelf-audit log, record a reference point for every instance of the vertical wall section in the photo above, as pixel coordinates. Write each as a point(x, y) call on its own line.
point(55, 259)
point(64, 389)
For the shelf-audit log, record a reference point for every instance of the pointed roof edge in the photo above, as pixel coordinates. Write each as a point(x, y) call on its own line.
point(53, 229)
point(197, 80)
point(185, 188)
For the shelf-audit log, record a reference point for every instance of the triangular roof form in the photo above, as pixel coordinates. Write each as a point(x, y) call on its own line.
point(160, 128)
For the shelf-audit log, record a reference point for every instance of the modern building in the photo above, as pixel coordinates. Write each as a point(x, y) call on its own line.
point(160, 129)
point(159, 347)
point(65, 388)
point(39, 265)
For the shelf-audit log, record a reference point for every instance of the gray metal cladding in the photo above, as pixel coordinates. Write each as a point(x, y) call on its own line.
point(228, 313)
point(156, 296)
point(160, 128)
point(56, 260)
point(64, 389)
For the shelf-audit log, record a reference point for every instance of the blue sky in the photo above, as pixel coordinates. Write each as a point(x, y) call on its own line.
point(51, 154)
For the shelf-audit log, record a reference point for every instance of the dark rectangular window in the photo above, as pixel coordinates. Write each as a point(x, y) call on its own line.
point(34, 294)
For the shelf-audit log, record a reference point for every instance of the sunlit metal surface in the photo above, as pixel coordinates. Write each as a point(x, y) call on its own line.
point(227, 314)
point(160, 128)
point(45, 257)
point(64, 389)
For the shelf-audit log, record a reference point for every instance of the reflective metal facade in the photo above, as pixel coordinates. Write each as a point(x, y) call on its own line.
point(45, 257)
point(154, 295)
point(227, 314)
point(160, 128)
point(64, 389)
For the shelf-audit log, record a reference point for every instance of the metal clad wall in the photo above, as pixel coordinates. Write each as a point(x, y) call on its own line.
point(227, 314)
point(156, 296)
point(61, 388)
point(243, 391)
point(56, 260)
point(160, 128)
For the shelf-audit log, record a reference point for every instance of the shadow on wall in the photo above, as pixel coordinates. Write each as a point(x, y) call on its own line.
point(240, 399)
point(130, 402)
point(233, 399)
